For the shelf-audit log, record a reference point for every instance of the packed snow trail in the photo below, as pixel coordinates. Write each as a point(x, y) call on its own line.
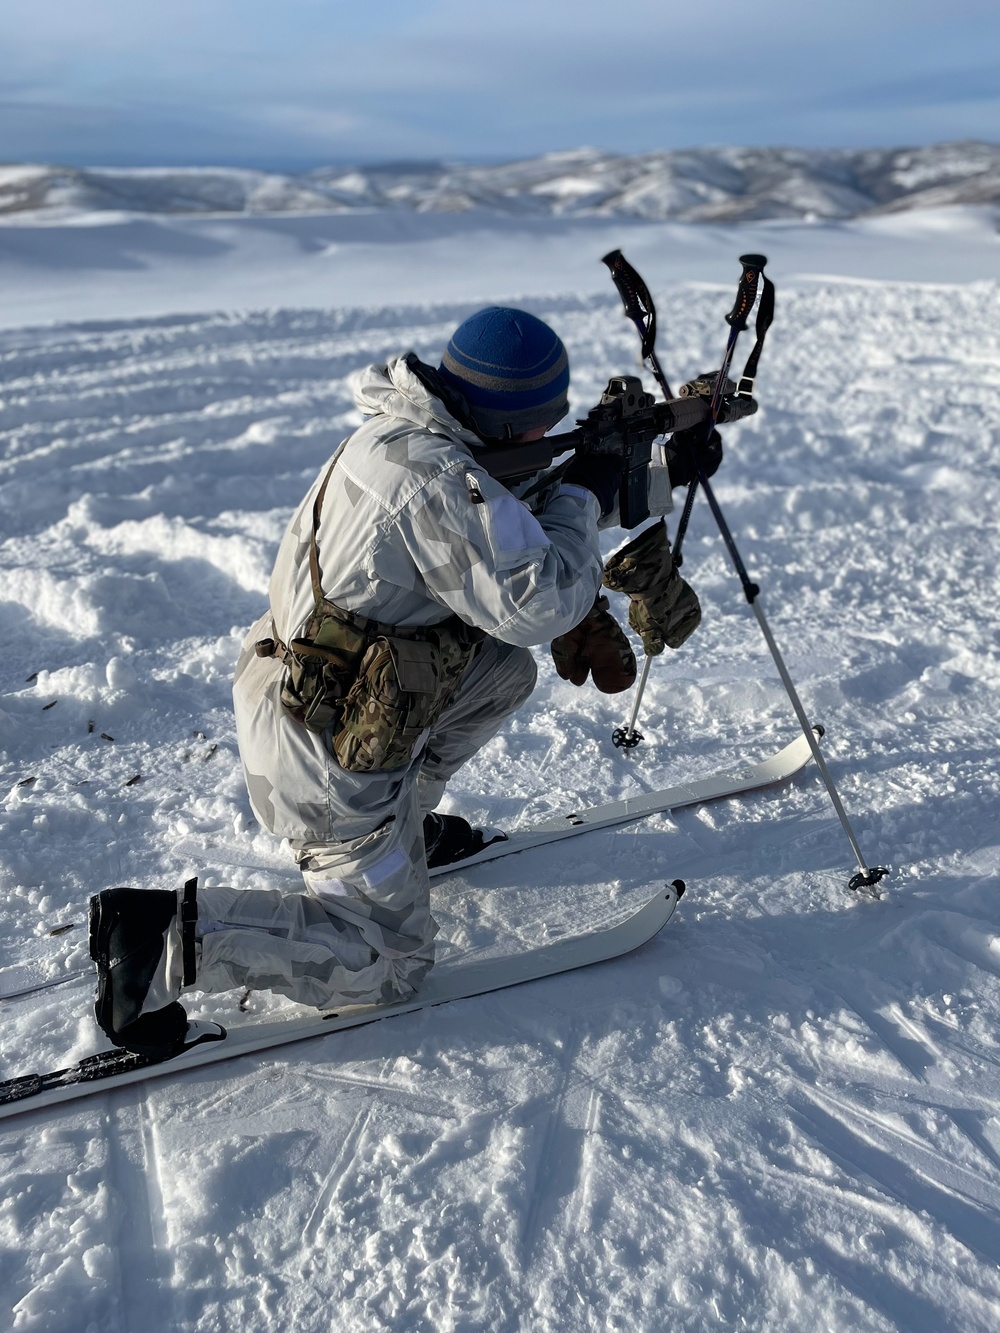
point(780, 1113)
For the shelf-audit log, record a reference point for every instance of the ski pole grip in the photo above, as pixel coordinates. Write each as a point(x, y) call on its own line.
point(747, 293)
point(623, 275)
point(637, 302)
point(735, 409)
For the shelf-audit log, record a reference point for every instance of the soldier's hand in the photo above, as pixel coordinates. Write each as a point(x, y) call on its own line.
point(664, 609)
point(599, 473)
point(598, 647)
point(686, 446)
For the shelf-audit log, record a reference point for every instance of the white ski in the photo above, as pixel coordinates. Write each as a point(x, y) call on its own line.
point(736, 781)
point(727, 782)
point(457, 981)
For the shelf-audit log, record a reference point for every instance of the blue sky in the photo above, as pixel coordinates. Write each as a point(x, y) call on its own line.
point(298, 83)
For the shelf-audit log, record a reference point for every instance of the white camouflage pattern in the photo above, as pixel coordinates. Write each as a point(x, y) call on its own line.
point(413, 530)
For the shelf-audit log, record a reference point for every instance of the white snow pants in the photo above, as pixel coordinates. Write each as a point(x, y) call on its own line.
point(362, 932)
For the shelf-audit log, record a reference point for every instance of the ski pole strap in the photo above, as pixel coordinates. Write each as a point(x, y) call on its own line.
point(189, 917)
point(746, 294)
point(685, 519)
point(765, 314)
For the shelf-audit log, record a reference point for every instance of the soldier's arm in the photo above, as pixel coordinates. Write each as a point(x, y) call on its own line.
point(483, 554)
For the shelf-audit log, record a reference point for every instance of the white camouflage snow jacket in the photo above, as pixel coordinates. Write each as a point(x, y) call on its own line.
point(413, 529)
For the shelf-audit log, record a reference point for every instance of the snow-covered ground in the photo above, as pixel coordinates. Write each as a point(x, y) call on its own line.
point(784, 1112)
point(106, 266)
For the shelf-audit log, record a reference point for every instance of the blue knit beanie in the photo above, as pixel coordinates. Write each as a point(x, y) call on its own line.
point(511, 369)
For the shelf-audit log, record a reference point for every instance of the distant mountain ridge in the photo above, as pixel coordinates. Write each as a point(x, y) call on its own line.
point(691, 185)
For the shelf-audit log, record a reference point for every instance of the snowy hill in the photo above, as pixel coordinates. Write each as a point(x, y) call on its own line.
point(707, 184)
point(779, 1115)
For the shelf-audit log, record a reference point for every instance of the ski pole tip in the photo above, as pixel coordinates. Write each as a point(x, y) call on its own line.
point(868, 879)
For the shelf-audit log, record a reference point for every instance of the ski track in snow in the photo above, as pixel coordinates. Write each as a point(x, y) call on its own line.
point(781, 1113)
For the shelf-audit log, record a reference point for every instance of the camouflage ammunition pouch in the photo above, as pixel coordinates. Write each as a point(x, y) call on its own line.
point(377, 689)
point(321, 666)
point(405, 681)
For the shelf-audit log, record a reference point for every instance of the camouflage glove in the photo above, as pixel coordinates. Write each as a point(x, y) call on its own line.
point(664, 610)
point(598, 645)
point(687, 445)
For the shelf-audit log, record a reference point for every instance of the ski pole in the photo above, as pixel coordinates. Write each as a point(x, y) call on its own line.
point(867, 876)
point(753, 270)
point(640, 309)
point(627, 738)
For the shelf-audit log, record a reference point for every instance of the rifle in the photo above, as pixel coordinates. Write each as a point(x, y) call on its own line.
point(624, 425)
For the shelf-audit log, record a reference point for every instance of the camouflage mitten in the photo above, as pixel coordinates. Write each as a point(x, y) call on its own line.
point(664, 610)
point(598, 645)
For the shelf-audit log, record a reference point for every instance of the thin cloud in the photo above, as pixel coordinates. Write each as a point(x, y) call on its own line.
point(318, 80)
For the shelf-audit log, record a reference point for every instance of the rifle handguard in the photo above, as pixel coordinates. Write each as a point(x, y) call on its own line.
point(510, 461)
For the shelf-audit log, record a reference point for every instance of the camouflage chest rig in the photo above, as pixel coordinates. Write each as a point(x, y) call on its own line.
point(375, 689)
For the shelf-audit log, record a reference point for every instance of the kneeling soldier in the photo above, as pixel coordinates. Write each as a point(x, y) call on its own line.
point(407, 592)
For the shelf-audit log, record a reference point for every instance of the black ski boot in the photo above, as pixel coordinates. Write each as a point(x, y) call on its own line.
point(449, 838)
point(129, 934)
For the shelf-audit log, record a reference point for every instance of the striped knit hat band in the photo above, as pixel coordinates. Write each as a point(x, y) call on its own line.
point(511, 369)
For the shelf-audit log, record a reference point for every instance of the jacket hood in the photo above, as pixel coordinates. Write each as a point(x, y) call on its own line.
point(394, 390)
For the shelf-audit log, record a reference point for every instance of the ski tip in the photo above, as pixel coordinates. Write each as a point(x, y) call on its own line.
point(678, 887)
point(819, 729)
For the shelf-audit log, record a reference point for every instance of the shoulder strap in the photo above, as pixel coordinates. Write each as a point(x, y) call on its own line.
point(314, 571)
